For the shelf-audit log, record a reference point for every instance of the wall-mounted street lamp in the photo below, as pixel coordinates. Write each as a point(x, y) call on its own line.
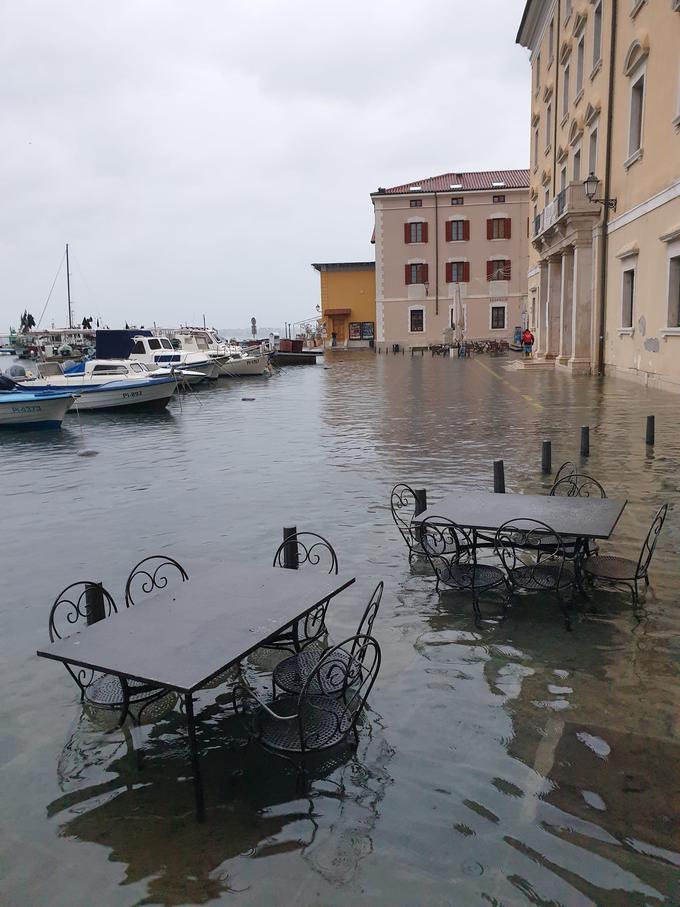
point(592, 185)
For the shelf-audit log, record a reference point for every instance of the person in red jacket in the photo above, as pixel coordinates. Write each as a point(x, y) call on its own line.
point(527, 343)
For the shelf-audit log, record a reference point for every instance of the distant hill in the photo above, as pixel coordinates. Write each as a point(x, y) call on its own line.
point(246, 334)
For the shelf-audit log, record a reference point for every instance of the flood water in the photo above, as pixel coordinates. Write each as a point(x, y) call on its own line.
point(509, 765)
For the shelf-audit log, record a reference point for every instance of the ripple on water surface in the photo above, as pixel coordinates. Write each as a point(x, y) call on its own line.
point(510, 764)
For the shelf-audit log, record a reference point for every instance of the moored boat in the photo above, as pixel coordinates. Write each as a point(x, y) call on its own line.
point(25, 409)
point(231, 360)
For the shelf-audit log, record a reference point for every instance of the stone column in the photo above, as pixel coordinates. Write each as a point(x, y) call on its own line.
point(566, 299)
point(552, 317)
point(541, 301)
point(582, 310)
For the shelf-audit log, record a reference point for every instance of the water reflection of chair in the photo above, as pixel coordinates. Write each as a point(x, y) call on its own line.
point(611, 570)
point(291, 674)
point(151, 574)
point(452, 552)
point(87, 602)
point(326, 710)
point(547, 571)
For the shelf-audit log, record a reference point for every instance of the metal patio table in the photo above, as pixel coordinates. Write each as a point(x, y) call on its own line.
point(580, 518)
point(183, 639)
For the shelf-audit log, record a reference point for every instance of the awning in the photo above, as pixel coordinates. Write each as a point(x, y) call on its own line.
point(338, 312)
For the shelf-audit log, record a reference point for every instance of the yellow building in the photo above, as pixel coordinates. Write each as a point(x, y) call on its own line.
point(347, 303)
point(604, 270)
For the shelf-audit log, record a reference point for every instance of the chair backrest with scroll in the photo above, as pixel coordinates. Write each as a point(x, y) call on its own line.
point(150, 575)
point(576, 485)
point(335, 693)
point(650, 541)
point(404, 506)
point(302, 548)
point(447, 546)
point(544, 570)
point(79, 605)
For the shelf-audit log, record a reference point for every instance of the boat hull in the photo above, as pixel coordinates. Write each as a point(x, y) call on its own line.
point(32, 411)
point(154, 393)
point(248, 365)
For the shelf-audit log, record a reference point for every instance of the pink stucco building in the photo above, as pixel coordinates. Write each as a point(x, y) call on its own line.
point(451, 251)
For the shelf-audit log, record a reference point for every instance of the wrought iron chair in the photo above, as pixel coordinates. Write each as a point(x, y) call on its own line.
point(572, 484)
point(85, 603)
point(452, 553)
point(291, 674)
point(326, 710)
point(566, 469)
point(403, 505)
point(611, 570)
point(297, 550)
point(546, 571)
point(150, 574)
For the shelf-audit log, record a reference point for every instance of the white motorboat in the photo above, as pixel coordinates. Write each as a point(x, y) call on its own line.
point(231, 360)
point(103, 384)
point(26, 409)
point(158, 352)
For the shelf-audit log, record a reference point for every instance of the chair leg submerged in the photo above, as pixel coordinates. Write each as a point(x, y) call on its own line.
point(198, 782)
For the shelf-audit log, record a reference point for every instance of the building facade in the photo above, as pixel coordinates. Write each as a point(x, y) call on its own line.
point(451, 255)
point(604, 263)
point(347, 303)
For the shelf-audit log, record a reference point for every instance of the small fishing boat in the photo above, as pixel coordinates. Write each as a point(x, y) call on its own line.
point(155, 352)
point(96, 371)
point(231, 360)
point(26, 409)
point(114, 386)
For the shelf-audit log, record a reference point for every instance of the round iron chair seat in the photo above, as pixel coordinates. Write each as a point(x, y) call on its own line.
point(326, 722)
point(483, 576)
point(548, 578)
point(107, 692)
point(291, 673)
point(609, 566)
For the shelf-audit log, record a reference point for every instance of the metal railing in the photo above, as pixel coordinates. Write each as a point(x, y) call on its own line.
point(571, 200)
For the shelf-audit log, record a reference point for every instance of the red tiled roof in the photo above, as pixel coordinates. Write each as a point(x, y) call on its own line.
point(483, 179)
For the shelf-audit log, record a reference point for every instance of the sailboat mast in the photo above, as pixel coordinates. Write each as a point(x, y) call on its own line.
point(68, 289)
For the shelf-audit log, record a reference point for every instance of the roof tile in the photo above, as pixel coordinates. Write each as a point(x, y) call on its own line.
point(479, 180)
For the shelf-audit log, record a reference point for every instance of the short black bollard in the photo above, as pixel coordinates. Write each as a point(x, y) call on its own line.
point(649, 436)
point(94, 604)
point(499, 476)
point(290, 549)
point(546, 457)
point(585, 440)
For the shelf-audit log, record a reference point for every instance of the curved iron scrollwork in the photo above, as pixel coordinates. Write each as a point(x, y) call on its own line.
point(566, 469)
point(577, 486)
point(307, 548)
point(82, 602)
point(403, 505)
point(649, 543)
point(150, 574)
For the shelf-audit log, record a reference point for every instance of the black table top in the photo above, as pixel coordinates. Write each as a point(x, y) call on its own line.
point(593, 518)
point(182, 638)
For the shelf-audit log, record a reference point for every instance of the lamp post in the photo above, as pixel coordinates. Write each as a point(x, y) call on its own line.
point(592, 185)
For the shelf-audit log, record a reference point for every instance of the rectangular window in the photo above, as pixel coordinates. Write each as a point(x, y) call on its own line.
point(537, 74)
point(548, 126)
point(416, 202)
point(546, 197)
point(415, 274)
point(592, 151)
point(628, 298)
point(456, 230)
point(497, 317)
point(577, 165)
point(637, 98)
point(498, 199)
point(674, 292)
point(567, 9)
point(565, 91)
point(415, 232)
point(457, 200)
point(563, 179)
point(580, 50)
point(551, 40)
point(417, 320)
point(457, 272)
point(535, 148)
point(597, 34)
point(500, 228)
point(498, 269)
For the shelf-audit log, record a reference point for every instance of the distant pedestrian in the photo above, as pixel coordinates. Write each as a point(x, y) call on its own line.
point(527, 343)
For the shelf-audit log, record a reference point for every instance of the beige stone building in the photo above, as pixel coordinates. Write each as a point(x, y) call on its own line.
point(451, 252)
point(604, 263)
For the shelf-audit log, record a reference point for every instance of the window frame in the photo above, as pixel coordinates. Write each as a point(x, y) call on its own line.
point(629, 268)
point(638, 75)
point(419, 273)
point(498, 306)
point(415, 203)
point(597, 35)
point(673, 286)
point(498, 200)
point(412, 309)
point(457, 200)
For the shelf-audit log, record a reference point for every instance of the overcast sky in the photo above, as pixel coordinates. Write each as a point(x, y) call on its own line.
point(198, 156)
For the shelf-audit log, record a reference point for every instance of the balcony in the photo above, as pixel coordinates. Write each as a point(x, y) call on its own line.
point(571, 202)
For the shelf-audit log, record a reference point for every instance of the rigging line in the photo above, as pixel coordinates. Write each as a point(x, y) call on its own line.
point(51, 288)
